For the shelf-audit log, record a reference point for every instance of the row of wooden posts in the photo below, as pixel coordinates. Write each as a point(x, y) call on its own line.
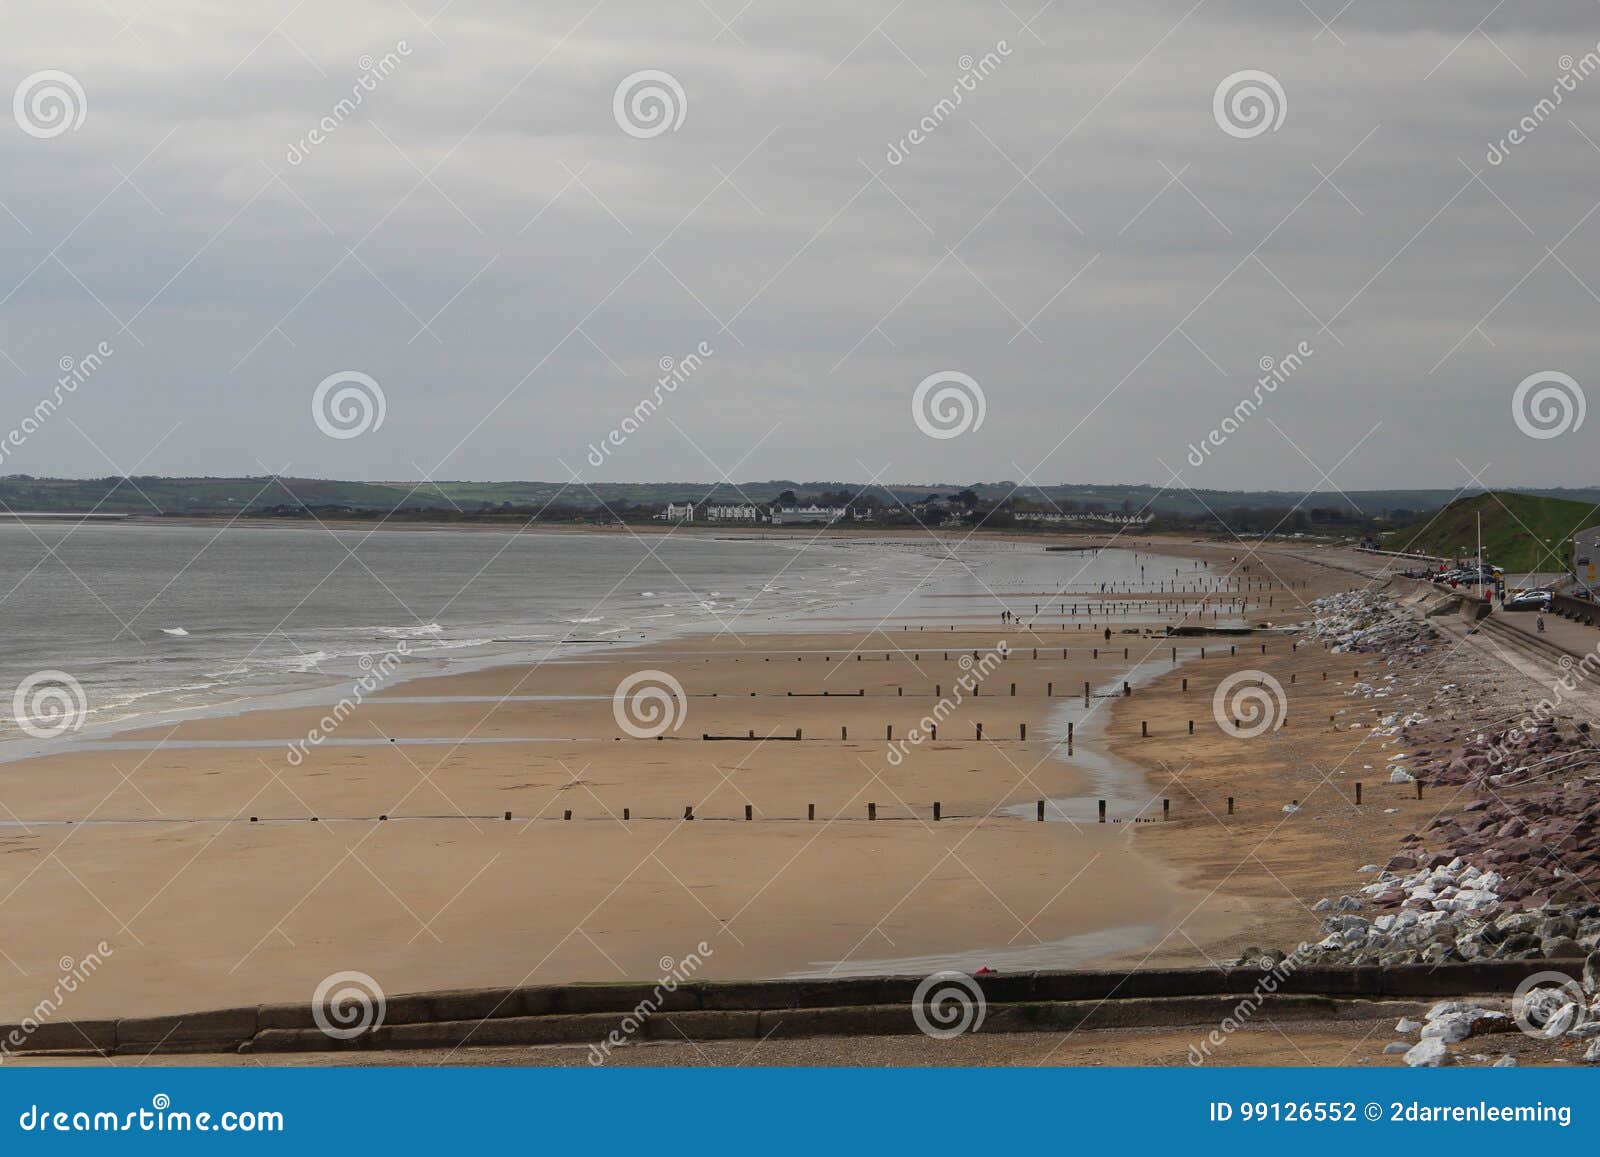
point(916, 656)
point(1280, 723)
point(938, 690)
point(811, 812)
point(872, 810)
point(1127, 690)
point(1170, 586)
point(1035, 627)
point(749, 812)
point(1127, 601)
point(844, 734)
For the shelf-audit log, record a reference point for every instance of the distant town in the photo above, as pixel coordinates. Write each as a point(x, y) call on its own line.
point(962, 507)
point(1524, 530)
point(1008, 506)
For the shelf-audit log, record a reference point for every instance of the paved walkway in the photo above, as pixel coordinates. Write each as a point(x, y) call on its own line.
point(1574, 638)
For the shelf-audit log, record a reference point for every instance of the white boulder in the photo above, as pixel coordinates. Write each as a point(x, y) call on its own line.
point(1561, 1021)
point(1430, 1053)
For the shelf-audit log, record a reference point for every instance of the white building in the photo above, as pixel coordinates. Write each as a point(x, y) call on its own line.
point(812, 513)
point(743, 512)
point(1056, 518)
point(678, 512)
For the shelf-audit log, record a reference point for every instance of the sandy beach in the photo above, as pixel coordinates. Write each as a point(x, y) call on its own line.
point(852, 795)
point(799, 536)
point(204, 907)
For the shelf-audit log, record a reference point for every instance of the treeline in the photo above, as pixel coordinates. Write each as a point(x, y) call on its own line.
point(211, 495)
point(959, 509)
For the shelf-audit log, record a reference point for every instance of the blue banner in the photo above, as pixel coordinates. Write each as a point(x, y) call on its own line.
point(708, 1112)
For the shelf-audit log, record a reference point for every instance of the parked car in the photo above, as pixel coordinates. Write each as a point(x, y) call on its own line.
point(1467, 575)
point(1528, 601)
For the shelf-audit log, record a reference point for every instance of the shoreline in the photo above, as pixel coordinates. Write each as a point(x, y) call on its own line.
point(500, 647)
point(462, 660)
point(1224, 884)
point(777, 897)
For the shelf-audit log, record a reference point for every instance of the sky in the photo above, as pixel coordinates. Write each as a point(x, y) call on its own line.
point(414, 239)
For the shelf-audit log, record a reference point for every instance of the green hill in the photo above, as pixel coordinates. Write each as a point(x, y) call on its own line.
point(1521, 532)
point(1550, 515)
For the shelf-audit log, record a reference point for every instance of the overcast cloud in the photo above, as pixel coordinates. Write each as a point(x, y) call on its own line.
point(1080, 236)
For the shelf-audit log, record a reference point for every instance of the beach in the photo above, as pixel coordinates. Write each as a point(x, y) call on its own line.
point(1185, 760)
point(446, 893)
point(383, 846)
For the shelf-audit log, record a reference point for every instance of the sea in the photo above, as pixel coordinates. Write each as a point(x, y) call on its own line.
point(141, 620)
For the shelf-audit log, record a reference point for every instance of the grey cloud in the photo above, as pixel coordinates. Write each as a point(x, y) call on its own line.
point(558, 259)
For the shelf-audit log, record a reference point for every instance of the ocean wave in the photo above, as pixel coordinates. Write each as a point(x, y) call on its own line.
point(452, 645)
point(240, 657)
point(420, 632)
